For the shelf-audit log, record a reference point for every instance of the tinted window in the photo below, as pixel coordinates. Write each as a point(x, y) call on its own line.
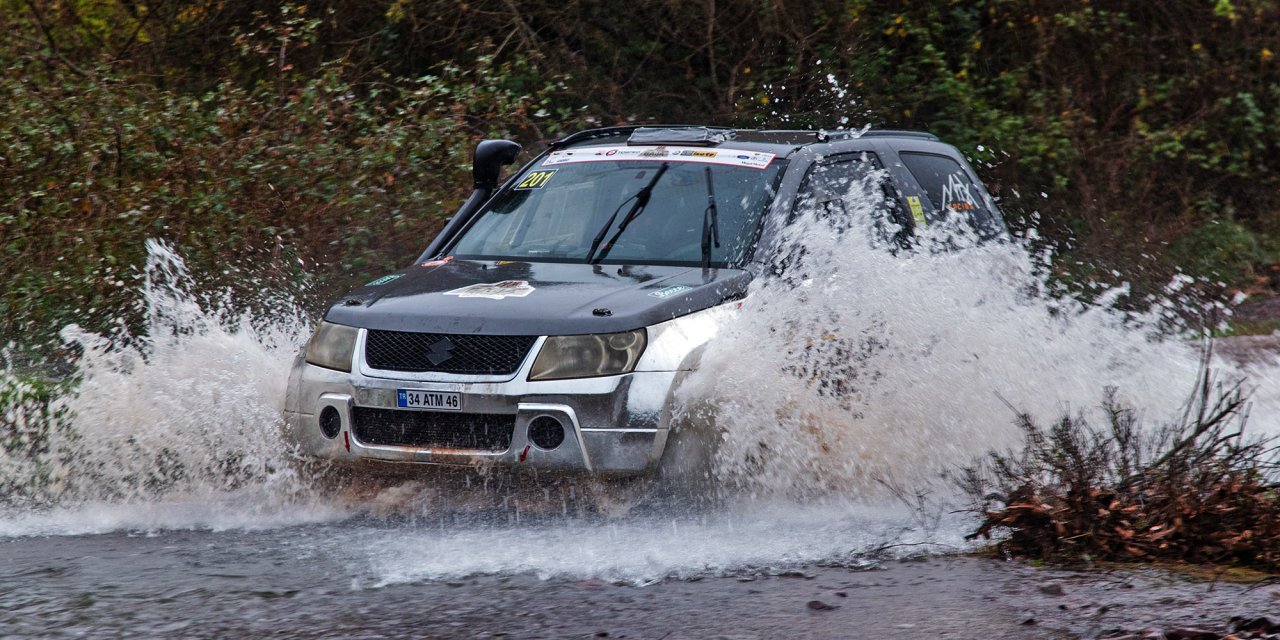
point(945, 182)
point(950, 190)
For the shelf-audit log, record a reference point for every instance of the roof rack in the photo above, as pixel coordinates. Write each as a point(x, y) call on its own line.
point(688, 136)
point(605, 132)
point(846, 134)
point(746, 134)
point(796, 137)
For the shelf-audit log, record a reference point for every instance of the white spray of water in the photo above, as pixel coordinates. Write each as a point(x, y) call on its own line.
point(877, 368)
point(763, 537)
point(178, 425)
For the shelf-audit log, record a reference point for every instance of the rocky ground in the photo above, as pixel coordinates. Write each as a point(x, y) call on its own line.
point(1145, 602)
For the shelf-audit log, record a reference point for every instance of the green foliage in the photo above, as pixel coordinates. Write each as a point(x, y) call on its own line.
point(1127, 116)
point(1221, 249)
point(350, 178)
point(338, 133)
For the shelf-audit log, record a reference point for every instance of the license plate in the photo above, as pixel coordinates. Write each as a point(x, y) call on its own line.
point(419, 399)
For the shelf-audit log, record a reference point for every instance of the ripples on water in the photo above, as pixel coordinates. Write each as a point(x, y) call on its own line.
point(868, 370)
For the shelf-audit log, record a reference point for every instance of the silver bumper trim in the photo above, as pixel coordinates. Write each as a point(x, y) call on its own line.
point(552, 410)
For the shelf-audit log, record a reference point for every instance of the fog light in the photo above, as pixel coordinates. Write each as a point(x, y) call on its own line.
point(546, 432)
point(330, 422)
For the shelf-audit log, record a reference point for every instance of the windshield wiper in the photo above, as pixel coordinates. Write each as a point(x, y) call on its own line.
point(710, 223)
point(641, 198)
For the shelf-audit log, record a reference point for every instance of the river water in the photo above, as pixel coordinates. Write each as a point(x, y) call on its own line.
point(164, 503)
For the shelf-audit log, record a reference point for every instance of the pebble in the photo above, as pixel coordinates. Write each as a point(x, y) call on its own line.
point(1191, 633)
point(1262, 624)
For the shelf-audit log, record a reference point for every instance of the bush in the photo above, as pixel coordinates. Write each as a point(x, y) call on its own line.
point(1222, 250)
point(1199, 490)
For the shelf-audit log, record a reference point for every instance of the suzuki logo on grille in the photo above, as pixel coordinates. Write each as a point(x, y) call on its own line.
point(440, 351)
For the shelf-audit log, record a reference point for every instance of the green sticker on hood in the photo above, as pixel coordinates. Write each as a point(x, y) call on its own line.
point(384, 280)
point(667, 292)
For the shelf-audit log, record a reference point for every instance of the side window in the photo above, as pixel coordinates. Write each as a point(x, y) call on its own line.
point(945, 183)
point(828, 185)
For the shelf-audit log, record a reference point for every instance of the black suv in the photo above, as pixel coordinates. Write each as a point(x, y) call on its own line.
point(550, 321)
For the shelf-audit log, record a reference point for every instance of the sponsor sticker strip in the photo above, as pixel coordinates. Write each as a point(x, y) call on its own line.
point(728, 157)
point(956, 194)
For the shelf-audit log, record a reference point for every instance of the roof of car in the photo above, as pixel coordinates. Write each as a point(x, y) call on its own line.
point(781, 140)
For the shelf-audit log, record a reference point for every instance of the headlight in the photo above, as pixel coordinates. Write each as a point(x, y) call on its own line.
point(587, 356)
point(332, 346)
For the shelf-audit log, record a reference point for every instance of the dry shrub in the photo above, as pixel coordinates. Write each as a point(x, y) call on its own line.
point(1198, 490)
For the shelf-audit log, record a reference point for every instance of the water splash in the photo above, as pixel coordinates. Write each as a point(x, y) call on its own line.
point(755, 537)
point(893, 368)
point(188, 410)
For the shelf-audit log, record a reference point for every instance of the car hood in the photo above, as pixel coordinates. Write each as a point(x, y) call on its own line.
point(532, 298)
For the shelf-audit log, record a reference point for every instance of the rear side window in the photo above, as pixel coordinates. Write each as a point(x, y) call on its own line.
point(945, 182)
point(950, 190)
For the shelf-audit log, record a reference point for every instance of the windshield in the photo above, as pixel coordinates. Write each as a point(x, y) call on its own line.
point(575, 206)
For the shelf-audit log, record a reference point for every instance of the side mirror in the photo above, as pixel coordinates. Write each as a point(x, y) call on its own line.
point(491, 156)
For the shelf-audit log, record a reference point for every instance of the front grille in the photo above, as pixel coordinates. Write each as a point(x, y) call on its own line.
point(446, 353)
point(433, 429)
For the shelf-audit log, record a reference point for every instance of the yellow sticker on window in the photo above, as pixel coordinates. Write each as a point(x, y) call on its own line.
point(536, 179)
point(917, 211)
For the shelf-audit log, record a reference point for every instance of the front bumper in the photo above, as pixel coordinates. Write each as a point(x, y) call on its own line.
point(613, 425)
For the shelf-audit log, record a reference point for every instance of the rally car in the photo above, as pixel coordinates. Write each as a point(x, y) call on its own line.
point(551, 320)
